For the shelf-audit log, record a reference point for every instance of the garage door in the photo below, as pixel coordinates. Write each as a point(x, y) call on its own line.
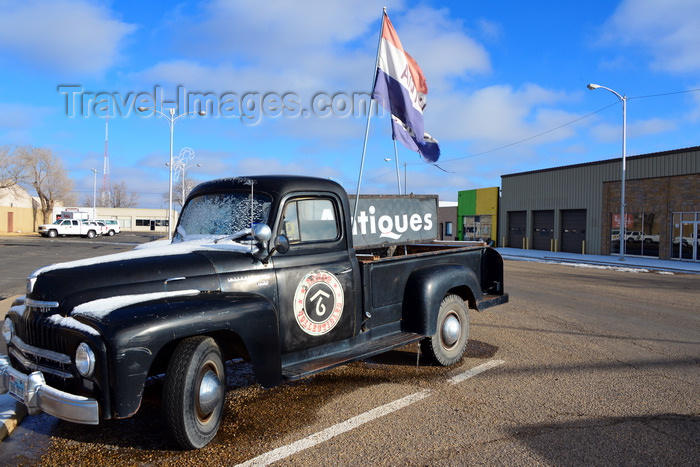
point(573, 230)
point(543, 224)
point(516, 228)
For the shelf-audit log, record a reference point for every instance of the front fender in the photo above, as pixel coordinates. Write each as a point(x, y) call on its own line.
point(425, 289)
point(135, 335)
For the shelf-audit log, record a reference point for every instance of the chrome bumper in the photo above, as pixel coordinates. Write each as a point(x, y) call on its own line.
point(32, 391)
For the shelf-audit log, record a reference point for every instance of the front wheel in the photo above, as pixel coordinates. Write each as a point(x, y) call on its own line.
point(448, 344)
point(52, 234)
point(194, 390)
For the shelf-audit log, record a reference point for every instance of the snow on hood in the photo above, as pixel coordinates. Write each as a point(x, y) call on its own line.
point(160, 248)
point(98, 309)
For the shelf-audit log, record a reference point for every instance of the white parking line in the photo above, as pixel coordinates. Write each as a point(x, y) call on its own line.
point(335, 430)
point(352, 423)
point(475, 371)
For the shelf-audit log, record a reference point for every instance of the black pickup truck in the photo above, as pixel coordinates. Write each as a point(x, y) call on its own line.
point(262, 268)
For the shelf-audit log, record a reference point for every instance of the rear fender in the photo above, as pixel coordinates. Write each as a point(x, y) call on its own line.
point(425, 289)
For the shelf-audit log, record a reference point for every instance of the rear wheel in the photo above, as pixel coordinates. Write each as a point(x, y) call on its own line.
point(193, 394)
point(91, 234)
point(448, 344)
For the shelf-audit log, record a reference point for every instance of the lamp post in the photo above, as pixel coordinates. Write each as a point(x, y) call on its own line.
point(398, 179)
point(623, 100)
point(94, 193)
point(171, 118)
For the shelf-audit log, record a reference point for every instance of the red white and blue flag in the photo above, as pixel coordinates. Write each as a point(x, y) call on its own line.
point(400, 88)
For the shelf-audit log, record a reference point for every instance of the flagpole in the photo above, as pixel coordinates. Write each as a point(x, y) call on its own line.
point(398, 172)
point(369, 116)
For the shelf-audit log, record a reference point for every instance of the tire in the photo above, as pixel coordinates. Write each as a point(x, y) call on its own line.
point(91, 234)
point(52, 234)
point(195, 370)
point(111, 233)
point(448, 344)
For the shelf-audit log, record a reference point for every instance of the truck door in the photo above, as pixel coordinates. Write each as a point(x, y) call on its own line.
point(67, 227)
point(316, 278)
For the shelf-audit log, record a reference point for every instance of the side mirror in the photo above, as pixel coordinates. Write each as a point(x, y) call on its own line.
point(281, 244)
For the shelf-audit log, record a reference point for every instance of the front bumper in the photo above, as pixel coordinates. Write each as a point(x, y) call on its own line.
point(32, 391)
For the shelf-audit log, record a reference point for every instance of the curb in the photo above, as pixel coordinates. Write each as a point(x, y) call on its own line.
point(11, 411)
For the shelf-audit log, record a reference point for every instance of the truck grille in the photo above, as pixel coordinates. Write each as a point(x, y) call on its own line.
point(41, 345)
point(36, 359)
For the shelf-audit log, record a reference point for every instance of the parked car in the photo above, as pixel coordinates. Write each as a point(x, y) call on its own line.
point(275, 277)
point(99, 226)
point(112, 226)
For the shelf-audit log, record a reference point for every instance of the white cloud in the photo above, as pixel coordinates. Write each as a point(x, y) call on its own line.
point(611, 133)
point(306, 46)
point(500, 115)
point(439, 44)
point(18, 116)
point(668, 29)
point(73, 36)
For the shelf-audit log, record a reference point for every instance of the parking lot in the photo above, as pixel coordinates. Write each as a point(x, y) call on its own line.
point(584, 367)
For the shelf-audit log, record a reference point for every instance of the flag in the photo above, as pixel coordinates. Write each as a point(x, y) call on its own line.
point(429, 150)
point(400, 88)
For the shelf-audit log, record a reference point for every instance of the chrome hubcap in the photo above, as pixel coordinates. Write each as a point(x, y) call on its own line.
point(451, 330)
point(210, 393)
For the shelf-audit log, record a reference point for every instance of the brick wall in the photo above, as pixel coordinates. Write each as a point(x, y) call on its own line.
point(660, 196)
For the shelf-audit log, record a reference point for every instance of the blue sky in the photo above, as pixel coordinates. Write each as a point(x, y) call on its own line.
point(507, 86)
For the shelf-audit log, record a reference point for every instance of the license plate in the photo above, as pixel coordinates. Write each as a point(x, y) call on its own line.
point(16, 388)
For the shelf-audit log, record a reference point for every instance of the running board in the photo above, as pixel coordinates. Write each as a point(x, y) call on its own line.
point(360, 352)
point(489, 301)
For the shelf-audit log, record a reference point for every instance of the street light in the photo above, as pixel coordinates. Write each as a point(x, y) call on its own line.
point(398, 179)
point(171, 118)
point(623, 100)
point(94, 193)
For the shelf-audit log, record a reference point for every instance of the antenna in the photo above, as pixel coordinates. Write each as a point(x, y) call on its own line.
point(251, 182)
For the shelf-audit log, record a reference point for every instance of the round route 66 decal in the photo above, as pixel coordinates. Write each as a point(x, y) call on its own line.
point(318, 302)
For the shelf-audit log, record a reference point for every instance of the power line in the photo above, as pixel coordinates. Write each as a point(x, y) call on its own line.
point(561, 126)
point(530, 137)
point(664, 94)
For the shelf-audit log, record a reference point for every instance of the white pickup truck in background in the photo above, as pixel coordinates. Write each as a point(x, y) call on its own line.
point(71, 227)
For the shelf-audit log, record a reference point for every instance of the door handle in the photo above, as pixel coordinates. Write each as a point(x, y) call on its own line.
point(345, 271)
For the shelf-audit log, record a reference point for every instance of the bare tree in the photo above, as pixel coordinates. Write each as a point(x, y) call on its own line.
point(11, 173)
point(119, 197)
point(45, 173)
point(179, 190)
point(116, 197)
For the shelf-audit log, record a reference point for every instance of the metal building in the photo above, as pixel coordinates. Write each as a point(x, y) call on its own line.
point(577, 208)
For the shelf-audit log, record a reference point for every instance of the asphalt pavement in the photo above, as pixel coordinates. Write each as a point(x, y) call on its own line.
point(12, 412)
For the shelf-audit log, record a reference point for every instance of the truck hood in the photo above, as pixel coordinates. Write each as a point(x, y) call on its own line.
point(138, 275)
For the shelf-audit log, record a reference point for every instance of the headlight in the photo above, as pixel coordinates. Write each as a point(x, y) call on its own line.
point(85, 360)
point(8, 330)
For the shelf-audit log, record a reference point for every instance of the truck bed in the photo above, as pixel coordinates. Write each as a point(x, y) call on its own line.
point(390, 273)
point(368, 255)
